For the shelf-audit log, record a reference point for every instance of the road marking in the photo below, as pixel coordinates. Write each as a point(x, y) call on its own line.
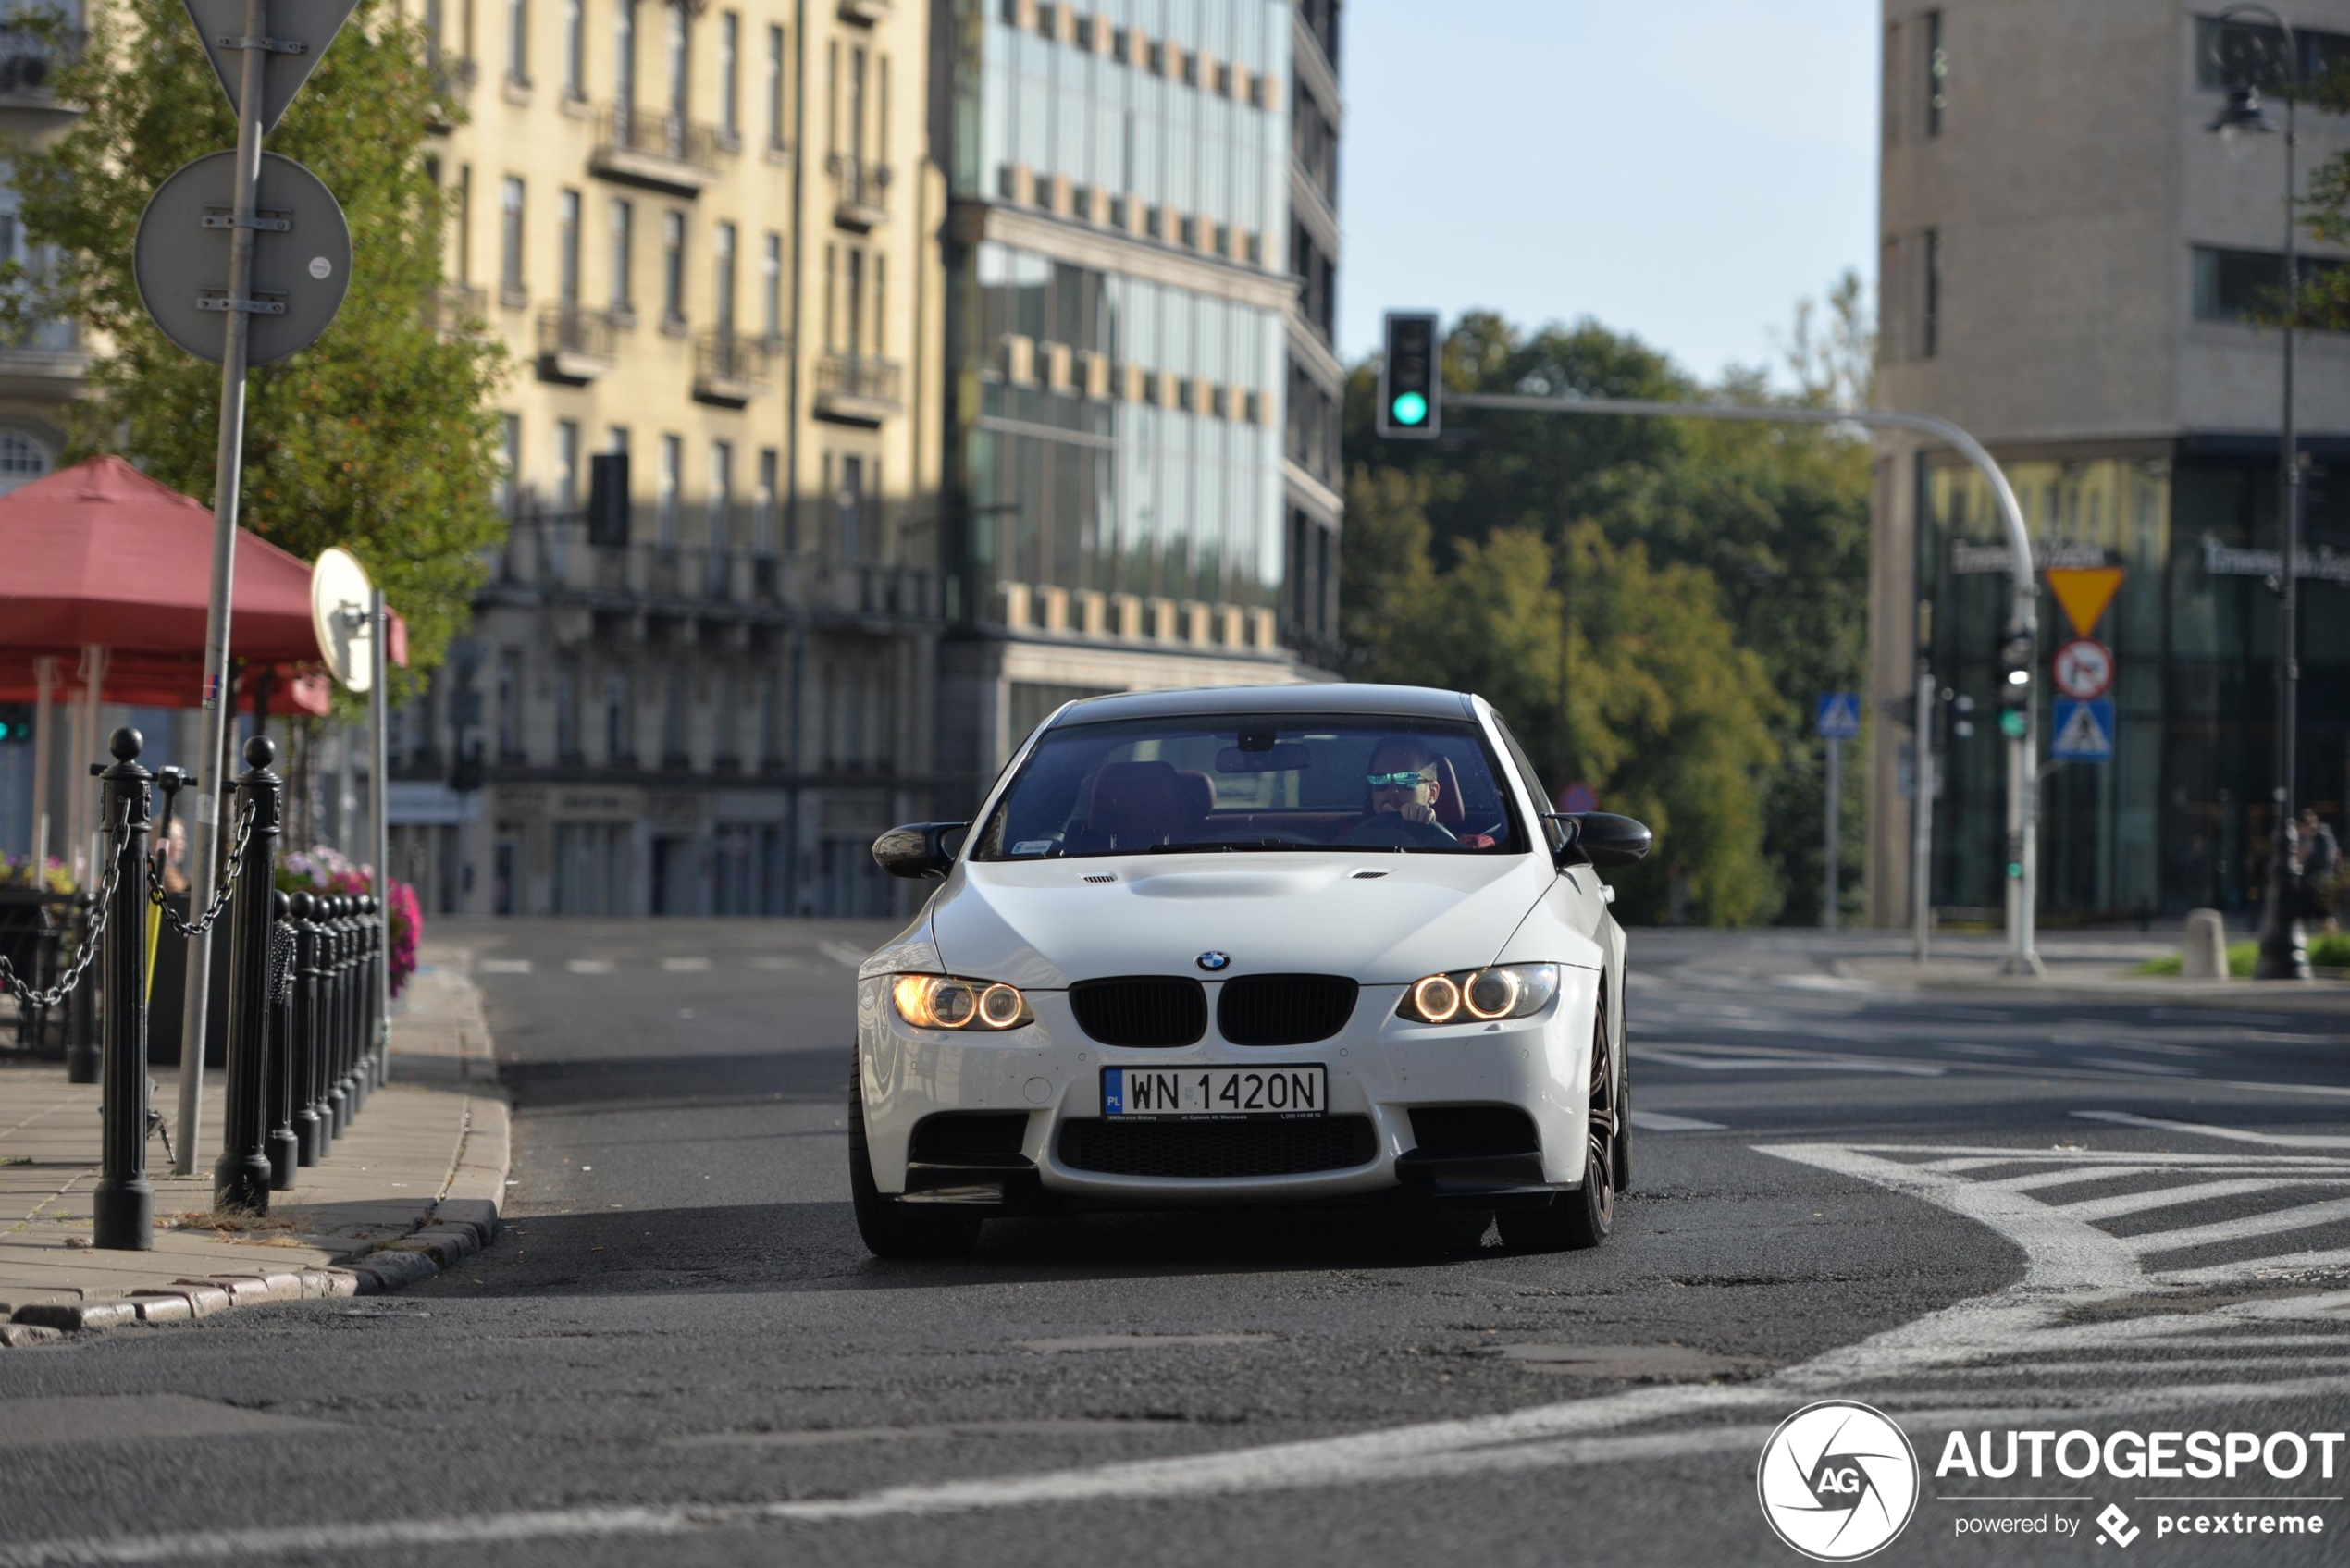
point(2152, 1069)
point(2171, 1197)
point(2215, 1015)
point(2301, 1216)
point(1749, 1060)
point(1658, 1121)
point(502, 966)
point(2239, 1134)
point(775, 961)
point(1139, 1341)
point(588, 966)
point(685, 965)
point(2005, 1053)
point(842, 953)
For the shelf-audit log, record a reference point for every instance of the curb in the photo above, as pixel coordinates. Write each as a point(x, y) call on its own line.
point(461, 1222)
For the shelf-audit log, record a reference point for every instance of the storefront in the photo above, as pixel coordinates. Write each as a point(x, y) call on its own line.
point(2181, 817)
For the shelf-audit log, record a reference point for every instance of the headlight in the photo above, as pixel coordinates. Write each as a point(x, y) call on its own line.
point(933, 1001)
point(1506, 990)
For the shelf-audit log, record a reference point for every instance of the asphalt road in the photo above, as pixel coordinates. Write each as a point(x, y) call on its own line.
point(1972, 1213)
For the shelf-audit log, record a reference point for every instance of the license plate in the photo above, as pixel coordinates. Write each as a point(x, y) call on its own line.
point(1214, 1093)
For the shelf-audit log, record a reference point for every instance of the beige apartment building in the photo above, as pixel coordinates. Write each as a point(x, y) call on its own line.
point(700, 681)
point(2072, 264)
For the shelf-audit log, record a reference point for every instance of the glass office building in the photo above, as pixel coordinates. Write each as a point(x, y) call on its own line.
point(2182, 817)
point(1141, 470)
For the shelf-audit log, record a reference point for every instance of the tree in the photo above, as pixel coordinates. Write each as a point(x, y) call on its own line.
point(2325, 300)
point(380, 435)
point(1771, 521)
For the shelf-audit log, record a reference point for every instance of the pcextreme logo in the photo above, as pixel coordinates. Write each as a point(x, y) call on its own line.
point(1837, 1480)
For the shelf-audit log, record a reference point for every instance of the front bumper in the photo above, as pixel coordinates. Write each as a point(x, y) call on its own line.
point(1379, 1068)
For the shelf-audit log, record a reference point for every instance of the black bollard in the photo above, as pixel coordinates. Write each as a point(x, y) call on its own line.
point(285, 1148)
point(122, 1207)
point(308, 1067)
point(338, 1041)
point(370, 972)
point(241, 1177)
point(354, 1002)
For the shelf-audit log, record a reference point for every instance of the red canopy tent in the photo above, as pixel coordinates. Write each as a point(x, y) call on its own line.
point(99, 555)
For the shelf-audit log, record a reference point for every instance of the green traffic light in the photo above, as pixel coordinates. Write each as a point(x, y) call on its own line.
point(2015, 868)
point(1409, 408)
point(2011, 725)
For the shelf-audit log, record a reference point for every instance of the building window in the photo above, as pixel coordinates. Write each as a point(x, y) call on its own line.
point(463, 225)
point(574, 49)
point(672, 721)
point(1930, 296)
point(775, 121)
point(624, 243)
point(770, 289)
point(567, 711)
point(730, 80)
point(762, 514)
point(509, 705)
point(721, 497)
point(722, 255)
point(2249, 285)
point(680, 66)
point(849, 509)
point(619, 741)
point(1938, 73)
point(518, 42)
point(509, 460)
point(832, 269)
point(673, 267)
point(566, 468)
point(623, 54)
point(510, 240)
point(673, 459)
point(567, 247)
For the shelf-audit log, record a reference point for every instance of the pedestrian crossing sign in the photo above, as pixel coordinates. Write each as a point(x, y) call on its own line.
point(1839, 715)
point(2083, 730)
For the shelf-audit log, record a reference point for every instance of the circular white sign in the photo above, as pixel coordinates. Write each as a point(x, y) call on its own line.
point(1839, 1480)
point(320, 267)
point(2083, 667)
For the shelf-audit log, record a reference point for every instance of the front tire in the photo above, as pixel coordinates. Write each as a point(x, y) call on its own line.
point(889, 1227)
point(1581, 1219)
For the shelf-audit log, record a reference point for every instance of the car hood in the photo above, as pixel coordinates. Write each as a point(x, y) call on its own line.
point(1381, 918)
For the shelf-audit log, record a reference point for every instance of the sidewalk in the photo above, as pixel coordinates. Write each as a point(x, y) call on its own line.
point(2079, 972)
point(413, 1185)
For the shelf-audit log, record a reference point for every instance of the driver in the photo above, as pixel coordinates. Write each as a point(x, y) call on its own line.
point(1404, 783)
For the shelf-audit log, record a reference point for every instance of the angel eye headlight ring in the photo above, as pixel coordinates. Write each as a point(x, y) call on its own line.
point(931, 1000)
point(1437, 998)
point(1498, 990)
point(1491, 994)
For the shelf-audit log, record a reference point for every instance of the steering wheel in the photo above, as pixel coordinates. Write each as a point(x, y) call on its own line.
point(1388, 829)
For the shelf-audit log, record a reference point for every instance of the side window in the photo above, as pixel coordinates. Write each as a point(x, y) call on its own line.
point(1524, 765)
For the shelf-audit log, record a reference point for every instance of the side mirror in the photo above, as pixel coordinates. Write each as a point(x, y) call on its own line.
point(920, 849)
point(1601, 839)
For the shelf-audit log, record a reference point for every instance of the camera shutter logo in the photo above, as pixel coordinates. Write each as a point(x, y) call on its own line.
point(1838, 1481)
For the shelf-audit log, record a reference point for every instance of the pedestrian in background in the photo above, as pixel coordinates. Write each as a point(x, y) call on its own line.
point(2321, 870)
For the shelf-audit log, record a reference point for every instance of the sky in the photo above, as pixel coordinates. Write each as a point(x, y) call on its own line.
point(1683, 170)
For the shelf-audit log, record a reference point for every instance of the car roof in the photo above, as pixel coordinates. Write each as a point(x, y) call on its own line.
point(1335, 697)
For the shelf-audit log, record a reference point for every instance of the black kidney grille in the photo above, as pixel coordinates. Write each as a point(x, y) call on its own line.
point(1141, 1010)
point(1199, 1149)
point(1284, 1009)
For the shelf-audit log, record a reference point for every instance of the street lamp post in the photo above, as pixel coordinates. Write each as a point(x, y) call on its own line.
point(2284, 949)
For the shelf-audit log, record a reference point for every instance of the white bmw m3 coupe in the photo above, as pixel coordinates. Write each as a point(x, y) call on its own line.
point(1270, 944)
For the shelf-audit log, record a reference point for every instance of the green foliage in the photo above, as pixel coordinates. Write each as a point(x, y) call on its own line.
point(1718, 580)
point(2328, 950)
point(2326, 301)
point(380, 435)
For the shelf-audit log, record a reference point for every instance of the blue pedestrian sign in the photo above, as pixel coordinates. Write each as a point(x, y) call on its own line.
point(1839, 715)
point(2083, 730)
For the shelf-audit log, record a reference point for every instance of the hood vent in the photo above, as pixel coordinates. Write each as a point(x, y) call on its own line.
point(1369, 876)
point(1284, 1009)
point(1159, 1011)
point(1100, 876)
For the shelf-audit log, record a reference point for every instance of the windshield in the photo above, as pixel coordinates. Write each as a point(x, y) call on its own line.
point(1237, 783)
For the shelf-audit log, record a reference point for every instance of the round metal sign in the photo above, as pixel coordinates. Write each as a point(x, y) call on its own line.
point(301, 258)
point(2083, 667)
point(340, 594)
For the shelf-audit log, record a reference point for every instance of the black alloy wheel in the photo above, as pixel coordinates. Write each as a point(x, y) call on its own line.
point(890, 1227)
point(1624, 1103)
point(1582, 1218)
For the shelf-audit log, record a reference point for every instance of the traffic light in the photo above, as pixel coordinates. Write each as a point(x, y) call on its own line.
point(2015, 685)
point(15, 724)
point(1411, 387)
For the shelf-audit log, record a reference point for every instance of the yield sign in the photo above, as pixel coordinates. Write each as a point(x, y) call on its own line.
point(2084, 591)
point(294, 37)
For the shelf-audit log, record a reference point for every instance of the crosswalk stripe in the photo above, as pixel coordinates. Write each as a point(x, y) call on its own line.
point(685, 965)
point(2219, 1273)
point(2171, 1197)
point(1659, 1121)
point(2276, 1222)
point(504, 966)
point(2234, 1134)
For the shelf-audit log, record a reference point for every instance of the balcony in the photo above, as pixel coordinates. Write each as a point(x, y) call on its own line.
point(42, 359)
point(574, 344)
point(729, 369)
point(659, 151)
point(861, 193)
point(856, 390)
point(460, 310)
point(29, 60)
point(868, 12)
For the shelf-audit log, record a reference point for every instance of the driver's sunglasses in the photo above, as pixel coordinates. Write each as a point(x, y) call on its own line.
point(1409, 778)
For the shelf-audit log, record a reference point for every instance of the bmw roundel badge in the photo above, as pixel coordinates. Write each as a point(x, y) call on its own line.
point(1212, 960)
